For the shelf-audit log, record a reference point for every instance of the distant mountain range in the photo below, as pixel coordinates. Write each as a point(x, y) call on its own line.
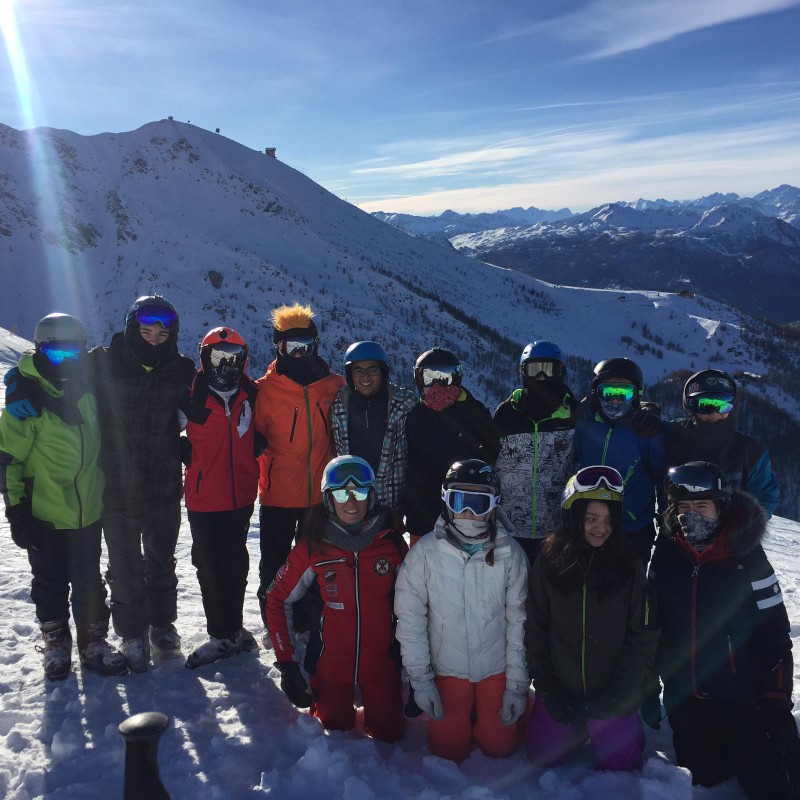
point(87, 223)
point(741, 250)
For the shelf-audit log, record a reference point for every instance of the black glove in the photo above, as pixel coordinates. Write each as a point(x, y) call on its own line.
point(777, 722)
point(186, 451)
point(651, 710)
point(293, 684)
point(647, 420)
point(562, 707)
point(259, 444)
point(24, 530)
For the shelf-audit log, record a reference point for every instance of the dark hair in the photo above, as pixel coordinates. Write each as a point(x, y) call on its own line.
point(565, 551)
point(314, 528)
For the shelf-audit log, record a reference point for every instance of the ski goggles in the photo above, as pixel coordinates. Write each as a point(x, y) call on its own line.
point(301, 346)
point(721, 403)
point(550, 369)
point(444, 375)
point(592, 477)
point(616, 392)
point(225, 354)
point(694, 479)
point(350, 472)
point(157, 315)
point(357, 492)
point(59, 352)
point(479, 503)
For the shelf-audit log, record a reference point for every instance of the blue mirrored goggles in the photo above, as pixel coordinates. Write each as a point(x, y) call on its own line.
point(157, 315)
point(357, 492)
point(59, 352)
point(350, 472)
point(479, 503)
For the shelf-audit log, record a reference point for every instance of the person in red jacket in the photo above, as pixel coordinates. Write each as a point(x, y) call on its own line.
point(348, 561)
point(220, 489)
point(292, 413)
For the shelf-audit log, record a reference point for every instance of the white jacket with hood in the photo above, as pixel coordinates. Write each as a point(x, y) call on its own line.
point(457, 615)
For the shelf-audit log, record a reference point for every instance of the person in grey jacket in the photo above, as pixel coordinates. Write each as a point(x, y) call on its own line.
point(460, 606)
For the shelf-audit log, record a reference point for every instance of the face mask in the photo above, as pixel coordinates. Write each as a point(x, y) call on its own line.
point(614, 411)
point(468, 530)
point(437, 398)
point(697, 529)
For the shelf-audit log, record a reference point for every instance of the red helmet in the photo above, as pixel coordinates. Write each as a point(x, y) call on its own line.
point(223, 358)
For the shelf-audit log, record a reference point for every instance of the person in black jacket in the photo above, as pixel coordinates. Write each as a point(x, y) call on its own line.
point(447, 425)
point(725, 651)
point(590, 639)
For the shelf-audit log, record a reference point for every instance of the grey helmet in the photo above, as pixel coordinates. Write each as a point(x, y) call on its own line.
point(60, 328)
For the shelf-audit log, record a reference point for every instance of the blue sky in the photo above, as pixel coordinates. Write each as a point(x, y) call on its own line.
point(419, 106)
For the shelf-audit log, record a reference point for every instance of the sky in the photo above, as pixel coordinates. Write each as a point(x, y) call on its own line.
point(418, 106)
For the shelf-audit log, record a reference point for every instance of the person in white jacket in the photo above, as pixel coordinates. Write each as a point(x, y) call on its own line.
point(460, 607)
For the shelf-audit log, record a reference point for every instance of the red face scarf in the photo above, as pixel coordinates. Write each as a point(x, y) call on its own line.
point(438, 398)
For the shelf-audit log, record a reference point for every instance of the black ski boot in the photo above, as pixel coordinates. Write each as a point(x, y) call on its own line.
point(57, 649)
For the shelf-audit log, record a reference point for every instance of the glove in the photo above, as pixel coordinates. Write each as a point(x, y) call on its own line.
point(293, 684)
point(647, 420)
point(411, 709)
point(651, 710)
point(20, 393)
point(562, 707)
point(513, 705)
point(259, 444)
point(428, 699)
point(778, 723)
point(24, 531)
point(186, 451)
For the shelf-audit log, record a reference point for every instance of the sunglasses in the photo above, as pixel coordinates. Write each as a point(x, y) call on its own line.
point(621, 392)
point(59, 352)
point(590, 478)
point(370, 372)
point(225, 354)
point(479, 503)
point(157, 315)
point(303, 346)
point(356, 492)
point(550, 369)
point(446, 375)
point(712, 403)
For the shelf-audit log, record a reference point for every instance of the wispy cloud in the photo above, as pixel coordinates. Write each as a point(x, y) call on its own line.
point(603, 28)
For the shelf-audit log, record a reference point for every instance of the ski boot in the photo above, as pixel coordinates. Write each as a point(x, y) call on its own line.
point(213, 650)
point(57, 649)
point(165, 641)
point(101, 657)
point(137, 653)
point(246, 642)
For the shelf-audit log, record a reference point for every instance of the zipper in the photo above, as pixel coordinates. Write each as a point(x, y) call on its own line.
point(358, 617)
point(730, 656)
point(294, 422)
point(310, 444)
point(321, 637)
point(583, 638)
point(77, 475)
point(693, 641)
point(605, 446)
point(199, 478)
point(533, 477)
point(230, 452)
point(330, 561)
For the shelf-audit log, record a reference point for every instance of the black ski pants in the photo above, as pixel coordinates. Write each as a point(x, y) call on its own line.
point(717, 740)
point(141, 545)
point(279, 528)
point(219, 553)
point(70, 558)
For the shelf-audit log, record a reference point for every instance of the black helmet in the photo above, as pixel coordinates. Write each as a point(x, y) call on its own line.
point(707, 382)
point(150, 309)
point(612, 368)
point(698, 480)
point(437, 357)
point(474, 472)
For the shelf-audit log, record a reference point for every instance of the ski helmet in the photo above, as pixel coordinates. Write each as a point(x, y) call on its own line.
point(60, 328)
point(344, 471)
point(153, 309)
point(597, 482)
point(707, 382)
point(427, 363)
point(60, 341)
point(698, 480)
point(365, 351)
point(472, 472)
point(223, 358)
point(548, 359)
point(619, 369)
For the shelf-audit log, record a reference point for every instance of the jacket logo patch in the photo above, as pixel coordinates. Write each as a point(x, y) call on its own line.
point(329, 575)
point(336, 606)
point(382, 565)
point(332, 589)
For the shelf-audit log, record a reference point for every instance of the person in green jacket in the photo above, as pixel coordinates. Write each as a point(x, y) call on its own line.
point(52, 487)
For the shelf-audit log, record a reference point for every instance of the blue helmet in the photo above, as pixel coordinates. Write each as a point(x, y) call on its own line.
point(539, 350)
point(365, 351)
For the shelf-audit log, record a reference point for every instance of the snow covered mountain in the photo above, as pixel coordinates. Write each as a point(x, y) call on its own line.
point(227, 233)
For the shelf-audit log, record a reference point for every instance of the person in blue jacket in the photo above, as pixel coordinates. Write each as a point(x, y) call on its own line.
point(708, 433)
point(608, 433)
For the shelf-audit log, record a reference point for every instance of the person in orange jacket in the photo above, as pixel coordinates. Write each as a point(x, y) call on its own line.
point(293, 414)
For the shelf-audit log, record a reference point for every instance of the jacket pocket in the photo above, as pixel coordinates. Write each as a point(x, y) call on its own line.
point(324, 420)
point(294, 424)
point(198, 481)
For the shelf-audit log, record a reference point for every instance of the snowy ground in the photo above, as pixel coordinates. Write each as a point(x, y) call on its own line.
point(234, 735)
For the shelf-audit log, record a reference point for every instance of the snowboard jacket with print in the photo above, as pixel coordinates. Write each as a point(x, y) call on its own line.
point(294, 419)
point(390, 477)
point(223, 473)
point(51, 460)
point(535, 462)
point(352, 633)
point(459, 616)
point(725, 631)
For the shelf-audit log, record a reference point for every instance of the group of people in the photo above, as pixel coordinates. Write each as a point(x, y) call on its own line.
point(531, 531)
